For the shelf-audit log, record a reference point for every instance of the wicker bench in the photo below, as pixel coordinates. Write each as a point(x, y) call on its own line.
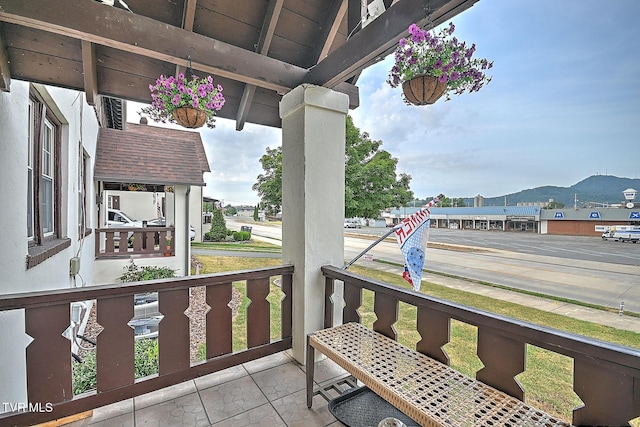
point(426, 390)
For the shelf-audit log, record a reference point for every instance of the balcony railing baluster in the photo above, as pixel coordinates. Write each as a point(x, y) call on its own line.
point(173, 331)
point(435, 330)
point(503, 359)
point(48, 355)
point(114, 358)
point(286, 306)
point(219, 332)
point(386, 309)
point(610, 397)
point(258, 313)
point(353, 301)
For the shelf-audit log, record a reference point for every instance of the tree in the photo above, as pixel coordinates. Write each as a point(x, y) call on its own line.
point(218, 230)
point(255, 213)
point(230, 210)
point(269, 185)
point(371, 182)
point(446, 202)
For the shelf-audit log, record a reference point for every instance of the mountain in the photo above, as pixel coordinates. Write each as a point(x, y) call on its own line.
point(596, 189)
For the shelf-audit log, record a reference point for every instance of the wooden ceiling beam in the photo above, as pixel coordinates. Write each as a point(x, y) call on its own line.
point(262, 47)
point(5, 73)
point(92, 22)
point(336, 12)
point(375, 41)
point(89, 71)
point(188, 17)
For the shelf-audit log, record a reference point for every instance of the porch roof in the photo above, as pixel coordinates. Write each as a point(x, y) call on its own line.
point(257, 50)
point(150, 155)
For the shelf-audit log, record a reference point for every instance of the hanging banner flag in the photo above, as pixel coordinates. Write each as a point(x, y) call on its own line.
point(412, 235)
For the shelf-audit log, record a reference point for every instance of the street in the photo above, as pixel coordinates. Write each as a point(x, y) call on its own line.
point(579, 268)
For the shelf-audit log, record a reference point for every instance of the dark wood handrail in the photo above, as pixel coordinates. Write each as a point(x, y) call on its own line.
point(69, 295)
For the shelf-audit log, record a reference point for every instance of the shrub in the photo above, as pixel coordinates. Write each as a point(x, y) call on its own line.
point(218, 226)
point(135, 273)
point(241, 236)
point(146, 363)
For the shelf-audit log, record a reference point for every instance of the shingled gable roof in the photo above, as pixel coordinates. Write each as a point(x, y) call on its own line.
point(150, 155)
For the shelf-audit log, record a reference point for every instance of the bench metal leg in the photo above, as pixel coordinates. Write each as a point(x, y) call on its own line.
point(310, 370)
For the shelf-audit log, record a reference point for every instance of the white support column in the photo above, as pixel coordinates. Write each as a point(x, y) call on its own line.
point(313, 148)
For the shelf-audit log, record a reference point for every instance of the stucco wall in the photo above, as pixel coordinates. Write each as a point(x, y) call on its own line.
point(79, 128)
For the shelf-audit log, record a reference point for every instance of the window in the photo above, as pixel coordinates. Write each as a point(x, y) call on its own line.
point(83, 159)
point(43, 183)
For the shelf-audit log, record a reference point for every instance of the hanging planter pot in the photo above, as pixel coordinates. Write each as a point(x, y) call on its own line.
point(423, 90)
point(189, 117)
point(188, 103)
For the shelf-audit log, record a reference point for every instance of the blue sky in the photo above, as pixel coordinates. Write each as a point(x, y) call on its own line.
point(564, 104)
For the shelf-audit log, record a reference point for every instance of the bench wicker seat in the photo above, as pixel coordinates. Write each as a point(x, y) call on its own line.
point(426, 390)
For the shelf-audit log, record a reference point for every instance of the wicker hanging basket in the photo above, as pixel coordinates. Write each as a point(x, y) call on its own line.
point(423, 90)
point(189, 117)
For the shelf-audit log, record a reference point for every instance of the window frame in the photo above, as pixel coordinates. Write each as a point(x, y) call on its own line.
point(43, 241)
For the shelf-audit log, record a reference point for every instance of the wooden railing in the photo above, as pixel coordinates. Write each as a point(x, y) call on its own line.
point(126, 241)
point(49, 377)
point(606, 376)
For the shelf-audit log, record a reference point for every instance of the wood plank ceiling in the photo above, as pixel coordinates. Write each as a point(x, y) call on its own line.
point(257, 50)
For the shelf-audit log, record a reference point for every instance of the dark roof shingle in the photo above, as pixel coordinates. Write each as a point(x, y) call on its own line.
point(150, 155)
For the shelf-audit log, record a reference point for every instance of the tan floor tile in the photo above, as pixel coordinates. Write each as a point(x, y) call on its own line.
point(232, 398)
point(263, 415)
point(221, 377)
point(293, 410)
point(111, 411)
point(183, 411)
point(125, 420)
point(164, 394)
point(267, 362)
point(280, 381)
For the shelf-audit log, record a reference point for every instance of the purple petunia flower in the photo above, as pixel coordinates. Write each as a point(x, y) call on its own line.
point(442, 78)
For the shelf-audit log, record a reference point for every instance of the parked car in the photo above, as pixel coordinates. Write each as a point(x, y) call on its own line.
point(117, 218)
point(161, 222)
point(352, 223)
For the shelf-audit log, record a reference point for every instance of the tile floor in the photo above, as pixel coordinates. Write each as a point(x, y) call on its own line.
point(264, 392)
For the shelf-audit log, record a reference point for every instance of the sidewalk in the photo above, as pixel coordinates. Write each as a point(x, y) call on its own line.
point(600, 317)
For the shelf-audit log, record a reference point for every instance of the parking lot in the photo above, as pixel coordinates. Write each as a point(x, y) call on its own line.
point(587, 248)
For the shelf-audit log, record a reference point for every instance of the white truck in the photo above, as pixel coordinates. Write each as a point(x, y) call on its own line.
point(622, 233)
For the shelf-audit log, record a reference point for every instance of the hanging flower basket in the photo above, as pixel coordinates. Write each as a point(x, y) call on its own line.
point(423, 90)
point(189, 117)
point(189, 103)
point(429, 65)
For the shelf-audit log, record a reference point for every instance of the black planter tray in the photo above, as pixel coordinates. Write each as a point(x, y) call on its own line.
point(361, 407)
